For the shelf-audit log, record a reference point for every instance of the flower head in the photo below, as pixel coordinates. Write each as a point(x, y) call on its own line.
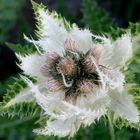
point(78, 79)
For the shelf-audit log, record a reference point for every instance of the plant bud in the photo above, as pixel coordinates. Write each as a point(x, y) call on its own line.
point(54, 86)
point(50, 58)
point(85, 86)
point(96, 52)
point(89, 65)
point(70, 45)
point(67, 66)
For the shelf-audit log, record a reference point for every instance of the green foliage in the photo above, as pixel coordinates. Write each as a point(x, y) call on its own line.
point(23, 50)
point(4, 86)
point(133, 71)
point(133, 28)
point(9, 13)
point(99, 22)
point(133, 78)
point(13, 89)
point(17, 129)
point(20, 109)
point(95, 18)
point(18, 121)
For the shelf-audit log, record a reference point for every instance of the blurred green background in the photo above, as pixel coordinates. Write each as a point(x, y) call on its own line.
point(17, 17)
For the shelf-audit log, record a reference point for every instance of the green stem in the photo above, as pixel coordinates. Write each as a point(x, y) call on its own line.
point(111, 128)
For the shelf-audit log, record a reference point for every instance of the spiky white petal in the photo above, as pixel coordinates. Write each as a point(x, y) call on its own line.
point(60, 127)
point(122, 50)
point(117, 79)
point(51, 31)
point(50, 102)
point(106, 49)
point(122, 105)
point(115, 53)
point(70, 121)
point(52, 34)
point(31, 64)
point(85, 116)
point(83, 38)
point(94, 101)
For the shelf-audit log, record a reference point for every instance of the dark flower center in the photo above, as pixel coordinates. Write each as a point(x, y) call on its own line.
point(75, 73)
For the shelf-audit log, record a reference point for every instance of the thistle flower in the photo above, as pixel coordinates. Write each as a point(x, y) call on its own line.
point(78, 79)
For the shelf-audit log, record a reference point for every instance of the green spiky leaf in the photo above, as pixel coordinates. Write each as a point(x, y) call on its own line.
point(23, 50)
